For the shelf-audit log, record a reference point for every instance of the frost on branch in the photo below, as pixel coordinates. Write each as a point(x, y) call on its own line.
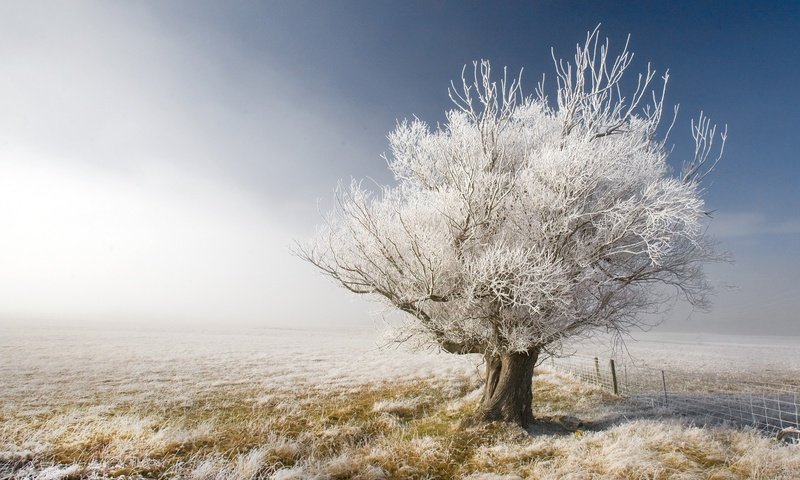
point(521, 222)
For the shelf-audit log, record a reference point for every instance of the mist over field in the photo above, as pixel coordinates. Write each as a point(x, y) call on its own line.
point(353, 239)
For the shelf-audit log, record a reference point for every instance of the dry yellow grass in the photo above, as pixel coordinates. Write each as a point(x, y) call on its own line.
point(384, 430)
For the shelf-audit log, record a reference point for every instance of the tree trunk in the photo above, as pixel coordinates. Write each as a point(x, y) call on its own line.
point(507, 394)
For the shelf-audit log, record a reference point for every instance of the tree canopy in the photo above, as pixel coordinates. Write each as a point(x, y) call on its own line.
point(526, 220)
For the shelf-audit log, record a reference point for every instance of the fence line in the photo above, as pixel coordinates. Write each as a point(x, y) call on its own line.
point(707, 398)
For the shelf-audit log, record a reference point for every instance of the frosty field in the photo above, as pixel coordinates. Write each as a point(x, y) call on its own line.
point(78, 403)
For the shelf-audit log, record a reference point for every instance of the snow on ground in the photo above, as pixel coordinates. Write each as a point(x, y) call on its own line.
point(41, 366)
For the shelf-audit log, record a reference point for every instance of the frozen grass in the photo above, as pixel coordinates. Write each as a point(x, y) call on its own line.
point(299, 405)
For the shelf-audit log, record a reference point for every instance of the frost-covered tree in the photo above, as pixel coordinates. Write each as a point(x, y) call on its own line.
point(524, 221)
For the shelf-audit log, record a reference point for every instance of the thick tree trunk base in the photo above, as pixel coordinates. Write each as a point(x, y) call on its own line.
point(508, 392)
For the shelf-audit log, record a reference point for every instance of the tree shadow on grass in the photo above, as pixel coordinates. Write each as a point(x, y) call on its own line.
point(612, 415)
point(770, 416)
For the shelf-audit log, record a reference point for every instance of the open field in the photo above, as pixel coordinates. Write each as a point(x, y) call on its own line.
point(296, 404)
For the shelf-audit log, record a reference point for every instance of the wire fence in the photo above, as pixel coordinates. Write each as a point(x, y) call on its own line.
point(704, 398)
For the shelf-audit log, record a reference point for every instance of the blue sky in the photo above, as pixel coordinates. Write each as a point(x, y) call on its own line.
point(157, 158)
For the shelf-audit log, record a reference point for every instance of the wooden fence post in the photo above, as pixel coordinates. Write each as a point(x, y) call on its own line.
point(613, 376)
point(597, 370)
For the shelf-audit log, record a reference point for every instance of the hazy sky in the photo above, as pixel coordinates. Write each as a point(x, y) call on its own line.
point(158, 158)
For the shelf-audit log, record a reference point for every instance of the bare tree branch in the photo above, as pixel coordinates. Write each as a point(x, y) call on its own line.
point(517, 224)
